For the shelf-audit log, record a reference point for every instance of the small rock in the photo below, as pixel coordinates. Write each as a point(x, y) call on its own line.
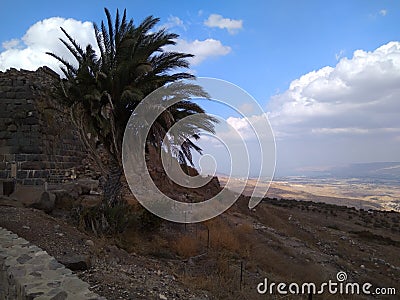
point(12, 128)
point(75, 262)
point(26, 227)
point(89, 243)
point(362, 267)
point(161, 296)
point(171, 277)
point(381, 261)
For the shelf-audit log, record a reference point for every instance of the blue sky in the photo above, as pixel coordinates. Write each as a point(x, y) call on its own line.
point(270, 49)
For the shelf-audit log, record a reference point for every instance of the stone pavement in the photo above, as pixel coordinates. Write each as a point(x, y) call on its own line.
point(28, 272)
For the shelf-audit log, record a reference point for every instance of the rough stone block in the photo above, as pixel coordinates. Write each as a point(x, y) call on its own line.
point(31, 121)
point(32, 149)
point(10, 95)
point(39, 182)
point(22, 174)
point(28, 181)
point(33, 165)
point(23, 95)
point(20, 157)
point(9, 157)
point(35, 157)
point(4, 113)
point(5, 135)
point(12, 128)
point(34, 128)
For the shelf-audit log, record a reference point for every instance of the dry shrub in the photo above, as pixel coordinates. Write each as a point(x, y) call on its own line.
point(244, 229)
point(222, 237)
point(186, 246)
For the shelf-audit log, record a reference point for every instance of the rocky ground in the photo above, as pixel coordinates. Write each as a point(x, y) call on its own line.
point(225, 258)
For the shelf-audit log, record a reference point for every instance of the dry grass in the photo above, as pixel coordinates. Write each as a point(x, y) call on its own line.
point(223, 237)
point(186, 246)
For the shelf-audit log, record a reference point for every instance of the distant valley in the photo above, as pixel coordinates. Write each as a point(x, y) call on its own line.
point(366, 186)
point(383, 172)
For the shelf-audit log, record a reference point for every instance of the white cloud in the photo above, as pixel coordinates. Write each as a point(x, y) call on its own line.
point(29, 52)
point(348, 112)
point(361, 92)
point(242, 126)
point(215, 20)
point(201, 49)
point(172, 22)
point(250, 129)
point(10, 44)
point(383, 12)
point(246, 108)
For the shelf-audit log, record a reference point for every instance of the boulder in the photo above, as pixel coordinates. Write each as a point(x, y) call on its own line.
point(27, 195)
point(45, 203)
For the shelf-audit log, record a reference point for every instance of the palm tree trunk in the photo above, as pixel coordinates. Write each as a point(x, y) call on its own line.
point(112, 187)
point(102, 221)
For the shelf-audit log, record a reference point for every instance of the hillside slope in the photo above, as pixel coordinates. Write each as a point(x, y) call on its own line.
point(282, 240)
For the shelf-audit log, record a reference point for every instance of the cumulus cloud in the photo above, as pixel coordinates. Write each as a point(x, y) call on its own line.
point(360, 92)
point(29, 51)
point(242, 126)
point(346, 113)
point(174, 21)
point(201, 49)
point(215, 20)
point(383, 12)
point(251, 128)
point(10, 44)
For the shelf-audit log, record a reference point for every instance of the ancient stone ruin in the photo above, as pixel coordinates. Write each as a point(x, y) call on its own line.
point(37, 143)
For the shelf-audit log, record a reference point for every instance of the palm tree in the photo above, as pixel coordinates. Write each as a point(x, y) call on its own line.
point(101, 92)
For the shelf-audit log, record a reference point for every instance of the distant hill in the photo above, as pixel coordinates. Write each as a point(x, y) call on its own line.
point(388, 170)
point(374, 170)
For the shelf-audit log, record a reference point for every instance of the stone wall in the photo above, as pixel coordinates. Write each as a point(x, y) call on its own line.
point(37, 142)
point(28, 272)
